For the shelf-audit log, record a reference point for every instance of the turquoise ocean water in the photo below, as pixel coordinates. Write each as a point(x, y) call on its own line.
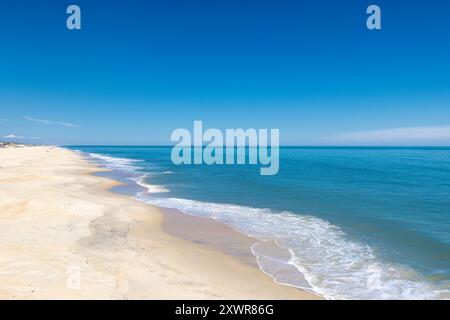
point(363, 223)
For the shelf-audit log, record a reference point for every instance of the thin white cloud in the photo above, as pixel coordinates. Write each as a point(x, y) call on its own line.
point(13, 136)
point(49, 122)
point(432, 135)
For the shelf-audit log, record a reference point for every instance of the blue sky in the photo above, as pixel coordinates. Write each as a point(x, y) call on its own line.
point(139, 69)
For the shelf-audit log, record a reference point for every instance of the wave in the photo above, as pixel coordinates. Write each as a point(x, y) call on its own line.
point(321, 257)
point(113, 163)
point(151, 188)
point(131, 166)
point(160, 172)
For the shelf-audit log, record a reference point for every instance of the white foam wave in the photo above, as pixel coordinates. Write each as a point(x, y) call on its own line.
point(321, 257)
point(151, 188)
point(121, 164)
point(155, 173)
point(130, 165)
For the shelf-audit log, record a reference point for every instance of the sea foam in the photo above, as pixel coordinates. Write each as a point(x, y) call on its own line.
point(151, 188)
point(113, 163)
point(322, 258)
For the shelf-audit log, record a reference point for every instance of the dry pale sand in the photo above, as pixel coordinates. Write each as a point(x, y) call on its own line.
point(63, 235)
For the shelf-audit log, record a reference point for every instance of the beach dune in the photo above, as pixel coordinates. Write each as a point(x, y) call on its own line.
point(64, 235)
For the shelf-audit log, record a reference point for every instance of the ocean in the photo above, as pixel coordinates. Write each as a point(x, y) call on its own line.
point(358, 223)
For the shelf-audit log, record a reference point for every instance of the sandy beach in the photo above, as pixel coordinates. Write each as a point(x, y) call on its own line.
point(65, 235)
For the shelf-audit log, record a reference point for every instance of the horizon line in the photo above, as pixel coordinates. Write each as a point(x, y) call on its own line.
point(281, 146)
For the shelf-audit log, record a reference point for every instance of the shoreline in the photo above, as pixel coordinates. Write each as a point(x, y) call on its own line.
point(293, 248)
point(57, 214)
point(210, 232)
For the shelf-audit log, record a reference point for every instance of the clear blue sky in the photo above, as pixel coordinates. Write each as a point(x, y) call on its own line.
point(139, 69)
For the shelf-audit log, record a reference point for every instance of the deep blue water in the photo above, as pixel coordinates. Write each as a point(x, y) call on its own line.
point(359, 222)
